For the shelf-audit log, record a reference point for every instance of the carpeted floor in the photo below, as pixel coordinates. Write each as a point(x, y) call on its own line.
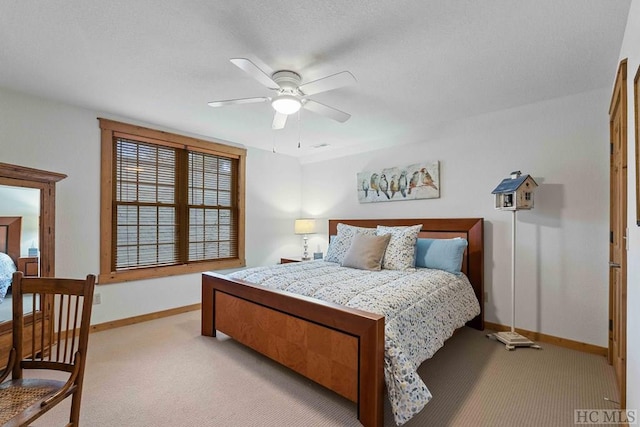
point(163, 373)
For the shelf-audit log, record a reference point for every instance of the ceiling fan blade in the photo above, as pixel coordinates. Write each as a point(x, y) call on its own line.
point(325, 110)
point(254, 71)
point(331, 82)
point(279, 120)
point(238, 101)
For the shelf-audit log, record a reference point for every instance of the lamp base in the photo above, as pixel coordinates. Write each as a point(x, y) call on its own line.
point(511, 340)
point(305, 254)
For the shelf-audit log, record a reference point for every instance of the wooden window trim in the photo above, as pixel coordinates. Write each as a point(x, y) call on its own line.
point(109, 129)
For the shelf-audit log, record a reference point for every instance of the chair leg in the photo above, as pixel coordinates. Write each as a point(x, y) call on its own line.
point(74, 417)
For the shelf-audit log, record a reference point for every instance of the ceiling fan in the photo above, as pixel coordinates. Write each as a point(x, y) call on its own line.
point(291, 94)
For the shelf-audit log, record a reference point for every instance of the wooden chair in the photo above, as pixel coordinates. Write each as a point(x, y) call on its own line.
point(58, 342)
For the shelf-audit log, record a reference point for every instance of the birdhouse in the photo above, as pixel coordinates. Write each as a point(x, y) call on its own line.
point(515, 193)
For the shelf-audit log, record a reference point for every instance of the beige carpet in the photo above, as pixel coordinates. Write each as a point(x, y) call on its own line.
point(163, 373)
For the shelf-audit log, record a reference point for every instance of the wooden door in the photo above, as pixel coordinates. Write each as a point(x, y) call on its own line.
point(618, 225)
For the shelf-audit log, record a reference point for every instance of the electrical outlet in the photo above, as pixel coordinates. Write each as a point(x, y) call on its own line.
point(97, 299)
point(486, 297)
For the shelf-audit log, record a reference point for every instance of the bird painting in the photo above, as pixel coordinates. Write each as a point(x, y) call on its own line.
point(414, 181)
point(375, 178)
point(426, 179)
point(394, 185)
point(402, 183)
point(410, 182)
point(384, 185)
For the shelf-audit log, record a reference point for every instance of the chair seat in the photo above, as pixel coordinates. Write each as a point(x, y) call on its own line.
point(17, 396)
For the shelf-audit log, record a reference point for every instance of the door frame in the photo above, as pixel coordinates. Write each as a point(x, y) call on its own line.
point(619, 100)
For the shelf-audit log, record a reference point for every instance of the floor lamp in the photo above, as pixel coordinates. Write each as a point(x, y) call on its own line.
point(513, 194)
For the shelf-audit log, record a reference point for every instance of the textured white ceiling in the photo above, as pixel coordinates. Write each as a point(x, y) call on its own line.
point(418, 63)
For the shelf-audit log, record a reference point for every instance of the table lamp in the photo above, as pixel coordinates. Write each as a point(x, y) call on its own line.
point(305, 227)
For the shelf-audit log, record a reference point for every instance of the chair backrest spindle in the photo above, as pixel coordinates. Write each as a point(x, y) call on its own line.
point(67, 311)
point(75, 323)
point(61, 328)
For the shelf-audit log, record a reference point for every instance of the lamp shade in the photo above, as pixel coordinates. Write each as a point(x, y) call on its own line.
point(305, 226)
point(286, 104)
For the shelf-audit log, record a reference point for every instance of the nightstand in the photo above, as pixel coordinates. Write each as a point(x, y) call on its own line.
point(28, 266)
point(292, 259)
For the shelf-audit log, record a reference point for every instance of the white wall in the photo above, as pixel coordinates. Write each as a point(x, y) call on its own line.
point(561, 244)
point(29, 237)
point(25, 203)
point(630, 50)
point(46, 135)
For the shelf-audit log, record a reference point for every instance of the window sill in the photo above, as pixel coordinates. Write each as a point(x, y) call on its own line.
point(173, 270)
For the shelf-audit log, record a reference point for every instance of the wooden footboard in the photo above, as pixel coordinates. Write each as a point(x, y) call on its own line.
point(338, 347)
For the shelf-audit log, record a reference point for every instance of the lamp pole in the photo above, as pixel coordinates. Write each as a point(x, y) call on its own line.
point(513, 273)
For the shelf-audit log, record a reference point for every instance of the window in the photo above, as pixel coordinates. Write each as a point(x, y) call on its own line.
point(171, 204)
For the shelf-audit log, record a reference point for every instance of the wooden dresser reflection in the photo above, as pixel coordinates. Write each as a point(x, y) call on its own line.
point(29, 266)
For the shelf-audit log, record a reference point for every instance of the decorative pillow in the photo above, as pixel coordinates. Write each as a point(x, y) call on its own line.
point(401, 252)
point(7, 267)
point(340, 244)
point(443, 254)
point(366, 252)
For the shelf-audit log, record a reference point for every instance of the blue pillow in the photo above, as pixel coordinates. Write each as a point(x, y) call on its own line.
point(442, 254)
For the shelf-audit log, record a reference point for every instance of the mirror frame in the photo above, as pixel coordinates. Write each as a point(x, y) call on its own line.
point(20, 176)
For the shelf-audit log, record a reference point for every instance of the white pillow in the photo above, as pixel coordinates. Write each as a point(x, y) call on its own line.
point(401, 252)
point(340, 244)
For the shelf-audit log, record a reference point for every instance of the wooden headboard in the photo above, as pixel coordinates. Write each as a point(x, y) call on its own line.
point(10, 230)
point(471, 229)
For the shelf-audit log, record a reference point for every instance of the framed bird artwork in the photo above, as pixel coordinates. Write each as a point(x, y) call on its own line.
point(417, 181)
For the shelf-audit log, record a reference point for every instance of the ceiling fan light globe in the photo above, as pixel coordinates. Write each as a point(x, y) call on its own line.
point(286, 104)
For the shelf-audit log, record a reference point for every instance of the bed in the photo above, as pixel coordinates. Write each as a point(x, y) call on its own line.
point(10, 229)
point(340, 347)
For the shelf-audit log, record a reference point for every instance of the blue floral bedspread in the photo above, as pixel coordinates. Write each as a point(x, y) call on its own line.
point(7, 268)
point(422, 308)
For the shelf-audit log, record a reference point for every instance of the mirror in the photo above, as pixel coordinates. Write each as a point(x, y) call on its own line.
point(42, 184)
point(19, 240)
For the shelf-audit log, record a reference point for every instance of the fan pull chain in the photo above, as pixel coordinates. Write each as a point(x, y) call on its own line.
point(273, 142)
point(299, 126)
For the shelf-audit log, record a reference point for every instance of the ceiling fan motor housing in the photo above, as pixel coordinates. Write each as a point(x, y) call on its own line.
point(288, 82)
